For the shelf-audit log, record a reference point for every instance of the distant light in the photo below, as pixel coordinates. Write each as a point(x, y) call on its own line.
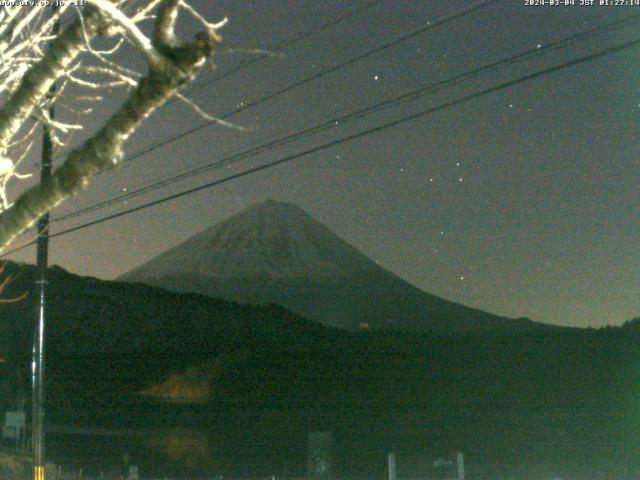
point(376, 78)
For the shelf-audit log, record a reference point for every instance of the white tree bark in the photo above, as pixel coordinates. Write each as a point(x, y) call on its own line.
point(172, 64)
point(38, 80)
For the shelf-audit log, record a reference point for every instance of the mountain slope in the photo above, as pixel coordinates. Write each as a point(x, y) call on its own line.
point(143, 331)
point(271, 240)
point(253, 381)
point(274, 252)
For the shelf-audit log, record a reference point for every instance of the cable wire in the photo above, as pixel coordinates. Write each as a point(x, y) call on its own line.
point(370, 131)
point(429, 26)
point(286, 44)
point(333, 123)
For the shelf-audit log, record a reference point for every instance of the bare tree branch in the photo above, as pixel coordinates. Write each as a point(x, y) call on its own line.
point(177, 64)
point(38, 80)
point(4, 283)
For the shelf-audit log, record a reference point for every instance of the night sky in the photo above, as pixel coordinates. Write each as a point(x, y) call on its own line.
point(523, 202)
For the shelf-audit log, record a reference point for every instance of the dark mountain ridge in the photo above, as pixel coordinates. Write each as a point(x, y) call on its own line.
point(567, 399)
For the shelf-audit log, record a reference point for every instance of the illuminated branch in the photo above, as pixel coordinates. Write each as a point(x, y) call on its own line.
point(173, 64)
point(4, 282)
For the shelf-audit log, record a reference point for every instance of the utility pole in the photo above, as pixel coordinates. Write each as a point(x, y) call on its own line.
point(460, 463)
point(37, 365)
point(37, 417)
point(391, 463)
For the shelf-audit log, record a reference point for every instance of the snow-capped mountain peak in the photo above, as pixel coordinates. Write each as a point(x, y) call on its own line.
point(274, 252)
point(270, 240)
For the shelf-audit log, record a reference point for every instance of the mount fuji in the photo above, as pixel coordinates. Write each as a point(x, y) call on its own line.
point(274, 252)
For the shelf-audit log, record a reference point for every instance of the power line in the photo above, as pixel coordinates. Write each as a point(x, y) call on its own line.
point(370, 131)
point(286, 44)
point(409, 96)
point(429, 26)
point(279, 47)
